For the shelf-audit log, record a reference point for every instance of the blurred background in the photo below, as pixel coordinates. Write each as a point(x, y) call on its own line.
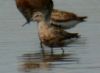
point(16, 40)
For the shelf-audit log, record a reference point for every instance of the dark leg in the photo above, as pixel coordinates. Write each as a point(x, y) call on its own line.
point(41, 46)
point(62, 51)
point(52, 52)
point(42, 49)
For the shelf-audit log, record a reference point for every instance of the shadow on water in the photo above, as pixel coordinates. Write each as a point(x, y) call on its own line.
point(31, 61)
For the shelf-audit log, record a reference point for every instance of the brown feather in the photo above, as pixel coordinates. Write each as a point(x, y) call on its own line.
point(28, 7)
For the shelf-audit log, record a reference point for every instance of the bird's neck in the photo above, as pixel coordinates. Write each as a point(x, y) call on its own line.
point(42, 25)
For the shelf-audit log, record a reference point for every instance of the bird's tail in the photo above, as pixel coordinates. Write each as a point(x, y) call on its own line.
point(72, 35)
point(82, 18)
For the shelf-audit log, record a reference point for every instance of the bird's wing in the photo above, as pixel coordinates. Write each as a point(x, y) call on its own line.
point(62, 16)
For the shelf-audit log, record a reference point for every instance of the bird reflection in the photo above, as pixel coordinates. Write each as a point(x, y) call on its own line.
point(31, 61)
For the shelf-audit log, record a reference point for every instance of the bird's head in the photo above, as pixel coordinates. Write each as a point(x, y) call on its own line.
point(38, 17)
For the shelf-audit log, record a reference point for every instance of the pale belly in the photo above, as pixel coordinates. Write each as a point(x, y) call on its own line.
point(66, 25)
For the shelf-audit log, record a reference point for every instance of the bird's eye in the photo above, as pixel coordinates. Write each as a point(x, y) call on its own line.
point(37, 15)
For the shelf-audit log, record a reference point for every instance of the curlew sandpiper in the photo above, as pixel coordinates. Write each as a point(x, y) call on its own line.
point(50, 35)
point(65, 20)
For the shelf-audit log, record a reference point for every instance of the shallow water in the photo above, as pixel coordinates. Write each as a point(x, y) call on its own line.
point(16, 40)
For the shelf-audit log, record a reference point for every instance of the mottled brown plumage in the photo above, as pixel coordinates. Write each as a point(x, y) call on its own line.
point(50, 35)
point(65, 19)
point(54, 37)
point(65, 16)
point(28, 7)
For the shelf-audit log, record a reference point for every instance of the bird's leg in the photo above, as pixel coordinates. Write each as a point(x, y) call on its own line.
point(62, 51)
point(52, 52)
point(41, 46)
point(42, 49)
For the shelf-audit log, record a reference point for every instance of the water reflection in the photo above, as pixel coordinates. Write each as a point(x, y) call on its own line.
point(31, 61)
point(35, 61)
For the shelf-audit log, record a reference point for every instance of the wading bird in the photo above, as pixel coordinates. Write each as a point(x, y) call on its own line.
point(65, 20)
point(50, 35)
point(60, 18)
point(28, 7)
